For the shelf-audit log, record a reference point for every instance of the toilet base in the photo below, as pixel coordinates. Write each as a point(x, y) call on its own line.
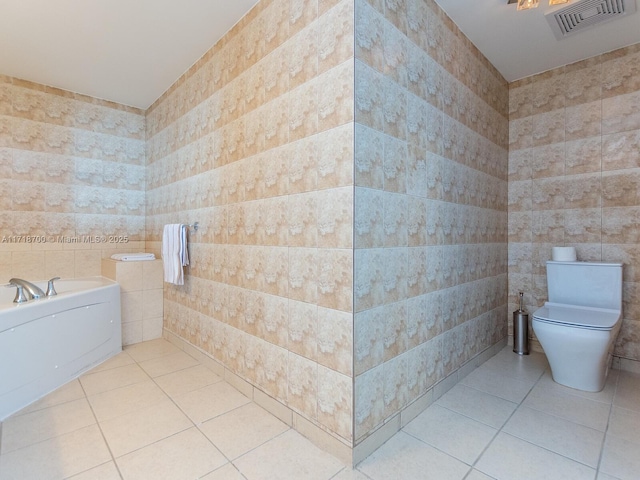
point(579, 358)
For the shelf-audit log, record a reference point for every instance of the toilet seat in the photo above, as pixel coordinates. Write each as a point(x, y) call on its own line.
point(577, 317)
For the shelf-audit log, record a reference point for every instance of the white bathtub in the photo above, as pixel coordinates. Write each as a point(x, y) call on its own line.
point(44, 343)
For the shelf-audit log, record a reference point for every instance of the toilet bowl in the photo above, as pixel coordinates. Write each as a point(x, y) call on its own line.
point(578, 326)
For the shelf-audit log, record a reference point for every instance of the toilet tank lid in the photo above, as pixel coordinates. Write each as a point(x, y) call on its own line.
point(575, 316)
point(604, 264)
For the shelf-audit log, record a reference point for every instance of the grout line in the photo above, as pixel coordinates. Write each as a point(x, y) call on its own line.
point(606, 430)
point(104, 439)
point(507, 420)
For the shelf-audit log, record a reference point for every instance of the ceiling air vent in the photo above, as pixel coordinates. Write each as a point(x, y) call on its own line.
point(586, 13)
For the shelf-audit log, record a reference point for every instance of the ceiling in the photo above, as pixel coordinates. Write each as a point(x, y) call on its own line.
point(126, 51)
point(131, 51)
point(521, 43)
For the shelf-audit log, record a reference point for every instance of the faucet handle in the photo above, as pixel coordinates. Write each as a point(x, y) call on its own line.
point(20, 296)
point(51, 291)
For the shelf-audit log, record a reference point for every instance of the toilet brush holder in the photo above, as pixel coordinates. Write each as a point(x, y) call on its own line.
point(521, 330)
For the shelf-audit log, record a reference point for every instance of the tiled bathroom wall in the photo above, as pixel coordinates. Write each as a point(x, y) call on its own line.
point(574, 176)
point(256, 143)
point(430, 225)
point(72, 181)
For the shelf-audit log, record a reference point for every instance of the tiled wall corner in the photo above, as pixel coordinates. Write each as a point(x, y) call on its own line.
point(256, 143)
point(430, 221)
point(72, 183)
point(141, 293)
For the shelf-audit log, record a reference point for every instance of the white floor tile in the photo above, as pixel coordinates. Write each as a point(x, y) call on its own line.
point(560, 428)
point(453, 433)
point(106, 471)
point(480, 406)
point(228, 472)
point(491, 381)
point(210, 401)
point(509, 458)
point(112, 404)
point(604, 476)
point(168, 364)
point(56, 458)
point(527, 368)
point(628, 391)
point(94, 383)
point(68, 392)
point(25, 430)
point(143, 427)
point(141, 352)
point(242, 429)
point(187, 380)
point(625, 424)
point(562, 403)
point(347, 473)
point(288, 456)
point(577, 442)
point(120, 360)
point(620, 458)
point(185, 455)
point(404, 457)
point(605, 395)
point(477, 475)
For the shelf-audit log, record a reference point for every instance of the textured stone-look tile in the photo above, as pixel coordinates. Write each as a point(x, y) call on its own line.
point(303, 325)
point(582, 81)
point(335, 279)
point(369, 218)
point(369, 157)
point(619, 75)
point(621, 113)
point(620, 188)
point(621, 150)
point(302, 388)
point(370, 98)
point(335, 340)
point(336, 32)
point(335, 102)
point(369, 32)
point(335, 159)
point(335, 218)
point(369, 405)
point(548, 127)
point(618, 223)
point(548, 91)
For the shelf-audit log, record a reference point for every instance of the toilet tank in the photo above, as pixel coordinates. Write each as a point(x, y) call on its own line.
point(586, 284)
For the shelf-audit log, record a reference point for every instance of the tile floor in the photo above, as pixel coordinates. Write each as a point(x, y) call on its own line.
point(153, 412)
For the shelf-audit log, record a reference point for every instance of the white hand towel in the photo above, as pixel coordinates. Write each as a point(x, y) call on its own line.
point(133, 257)
point(174, 253)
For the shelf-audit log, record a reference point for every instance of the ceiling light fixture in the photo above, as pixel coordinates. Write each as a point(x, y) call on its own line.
point(527, 4)
point(557, 2)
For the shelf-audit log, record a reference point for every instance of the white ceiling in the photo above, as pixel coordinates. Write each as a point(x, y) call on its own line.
point(126, 51)
point(131, 51)
point(521, 43)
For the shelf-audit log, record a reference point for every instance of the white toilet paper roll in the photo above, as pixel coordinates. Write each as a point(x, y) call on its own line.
point(563, 254)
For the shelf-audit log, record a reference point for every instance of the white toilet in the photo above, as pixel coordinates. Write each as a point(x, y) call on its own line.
point(578, 326)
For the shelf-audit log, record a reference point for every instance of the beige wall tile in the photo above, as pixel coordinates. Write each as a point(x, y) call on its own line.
point(573, 202)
